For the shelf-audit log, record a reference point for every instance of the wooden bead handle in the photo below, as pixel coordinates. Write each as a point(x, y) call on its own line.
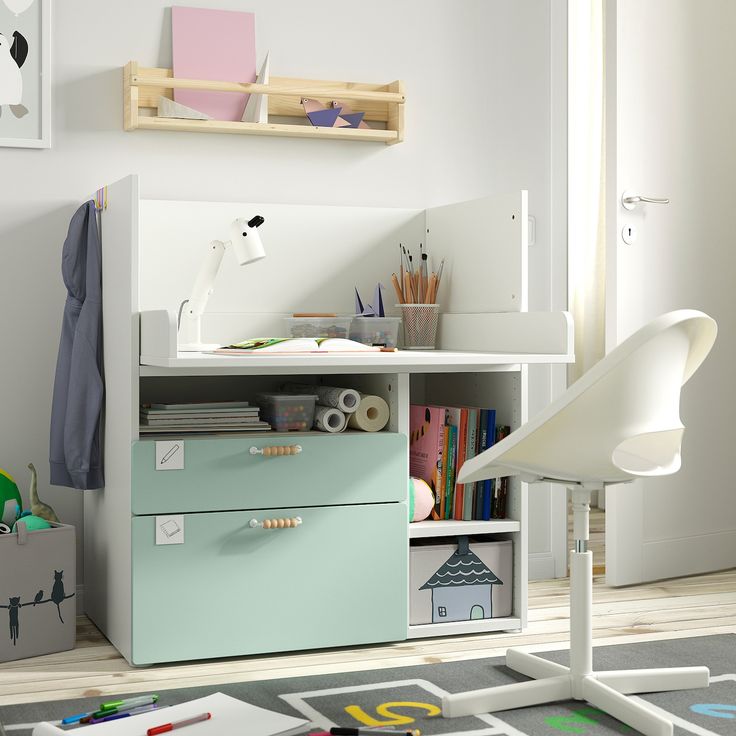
point(275, 523)
point(276, 450)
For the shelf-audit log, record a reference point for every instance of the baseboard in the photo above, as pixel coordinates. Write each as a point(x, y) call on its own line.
point(541, 566)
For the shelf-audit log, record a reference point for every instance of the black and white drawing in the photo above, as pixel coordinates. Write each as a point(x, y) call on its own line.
point(25, 96)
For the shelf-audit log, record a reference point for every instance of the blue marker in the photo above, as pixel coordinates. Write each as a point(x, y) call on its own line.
point(74, 719)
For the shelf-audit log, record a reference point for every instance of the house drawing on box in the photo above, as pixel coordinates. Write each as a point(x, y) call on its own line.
point(462, 589)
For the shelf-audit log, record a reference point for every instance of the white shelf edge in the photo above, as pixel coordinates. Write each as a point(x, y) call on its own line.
point(423, 631)
point(451, 528)
point(400, 362)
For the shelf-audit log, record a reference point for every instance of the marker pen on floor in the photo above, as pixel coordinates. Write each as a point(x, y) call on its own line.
point(337, 731)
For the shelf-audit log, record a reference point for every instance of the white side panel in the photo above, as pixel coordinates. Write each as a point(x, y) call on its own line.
point(484, 243)
point(158, 333)
point(509, 332)
point(107, 512)
point(315, 257)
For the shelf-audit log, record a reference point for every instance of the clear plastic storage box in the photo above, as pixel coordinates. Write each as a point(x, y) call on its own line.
point(286, 412)
point(317, 326)
point(383, 331)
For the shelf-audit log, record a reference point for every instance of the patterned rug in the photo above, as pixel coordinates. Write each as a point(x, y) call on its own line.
point(409, 697)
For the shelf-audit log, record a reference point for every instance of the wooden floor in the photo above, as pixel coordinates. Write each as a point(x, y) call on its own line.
point(692, 606)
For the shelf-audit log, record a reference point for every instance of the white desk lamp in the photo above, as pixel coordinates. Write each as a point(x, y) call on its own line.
point(248, 248)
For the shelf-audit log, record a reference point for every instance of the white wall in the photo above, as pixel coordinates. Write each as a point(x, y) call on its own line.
point(478, 120)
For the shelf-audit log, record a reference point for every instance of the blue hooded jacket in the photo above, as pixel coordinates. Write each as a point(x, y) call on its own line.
point(76, 410)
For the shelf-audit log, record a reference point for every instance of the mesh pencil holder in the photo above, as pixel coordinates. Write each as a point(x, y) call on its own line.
point(420, 325)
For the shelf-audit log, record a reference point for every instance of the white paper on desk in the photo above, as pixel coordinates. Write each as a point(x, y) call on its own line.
point(229, 716)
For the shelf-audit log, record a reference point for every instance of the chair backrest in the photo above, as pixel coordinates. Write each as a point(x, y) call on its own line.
point(620, 420)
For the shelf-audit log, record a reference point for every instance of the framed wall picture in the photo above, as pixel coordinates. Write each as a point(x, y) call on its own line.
point(25, 73)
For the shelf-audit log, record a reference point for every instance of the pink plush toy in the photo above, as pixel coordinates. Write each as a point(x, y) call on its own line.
point(421, 499)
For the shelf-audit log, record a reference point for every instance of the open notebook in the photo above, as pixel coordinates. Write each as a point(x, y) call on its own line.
point(229, 716)
point(296, 345)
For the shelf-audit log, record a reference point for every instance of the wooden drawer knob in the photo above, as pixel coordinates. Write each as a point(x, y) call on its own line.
point(282, 523)
point(276, 450)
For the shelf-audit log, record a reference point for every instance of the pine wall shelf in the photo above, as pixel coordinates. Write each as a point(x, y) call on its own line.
point(382, 103)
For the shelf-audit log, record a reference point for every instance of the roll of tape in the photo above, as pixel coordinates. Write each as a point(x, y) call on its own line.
point(329, 419)
point(372, 414)
point(344, 399)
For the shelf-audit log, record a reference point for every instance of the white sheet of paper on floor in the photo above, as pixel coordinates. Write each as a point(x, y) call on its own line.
point(229, 716)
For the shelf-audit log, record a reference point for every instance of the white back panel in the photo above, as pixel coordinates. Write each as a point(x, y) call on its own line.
point(484, 244)
point(315, 257)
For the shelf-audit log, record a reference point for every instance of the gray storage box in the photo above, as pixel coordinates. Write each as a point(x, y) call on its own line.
point(37, 591)
point(459, 581)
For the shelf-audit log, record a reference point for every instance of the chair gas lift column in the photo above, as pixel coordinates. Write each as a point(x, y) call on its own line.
point(620, 421)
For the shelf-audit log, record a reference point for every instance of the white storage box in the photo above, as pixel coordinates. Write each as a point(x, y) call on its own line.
point(459, 581)
point(37, 591)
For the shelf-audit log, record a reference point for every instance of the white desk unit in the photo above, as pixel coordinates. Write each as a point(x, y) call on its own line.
point(231, 589)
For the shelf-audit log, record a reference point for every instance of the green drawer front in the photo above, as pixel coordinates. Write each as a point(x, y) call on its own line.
point(338, 579)
point(221, 474)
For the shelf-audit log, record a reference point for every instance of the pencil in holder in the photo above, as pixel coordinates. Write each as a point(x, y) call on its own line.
point(420, 325)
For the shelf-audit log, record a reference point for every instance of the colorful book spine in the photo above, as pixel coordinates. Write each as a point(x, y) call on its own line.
point(443, 476)
point(450, 484)
point(487, 491)
point(500, 488)
point(439, 481)
point(482, 446)
point(471, 438)
point(462, 431)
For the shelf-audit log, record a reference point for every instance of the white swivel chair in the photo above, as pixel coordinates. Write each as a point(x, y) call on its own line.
point(620, 421)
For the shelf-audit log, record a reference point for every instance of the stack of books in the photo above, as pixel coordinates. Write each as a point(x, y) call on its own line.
point(441, 439)
point(218, 416)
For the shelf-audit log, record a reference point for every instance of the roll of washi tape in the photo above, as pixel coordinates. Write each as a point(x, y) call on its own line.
point(344, 399)
point(4, 528)
point(372, 414)
point(329, 419)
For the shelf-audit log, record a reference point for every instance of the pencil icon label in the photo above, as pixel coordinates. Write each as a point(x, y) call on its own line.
point(170, 455)
point(170, 529)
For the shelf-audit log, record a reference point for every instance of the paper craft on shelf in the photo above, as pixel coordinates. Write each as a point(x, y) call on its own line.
point(256, 109)
point(354, 118)
point(375, 308)
point(169, 109)
point(321, 116)
point(229, 716)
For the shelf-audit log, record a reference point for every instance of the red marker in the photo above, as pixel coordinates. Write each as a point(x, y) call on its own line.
point(166, 727)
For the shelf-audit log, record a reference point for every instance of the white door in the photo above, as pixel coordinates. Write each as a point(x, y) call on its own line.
point(671, 132)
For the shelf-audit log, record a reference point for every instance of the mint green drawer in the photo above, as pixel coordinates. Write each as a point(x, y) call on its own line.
point(340, 578)
point(221, 474)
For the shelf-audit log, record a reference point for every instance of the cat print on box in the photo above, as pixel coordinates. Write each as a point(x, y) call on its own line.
point(58, 596)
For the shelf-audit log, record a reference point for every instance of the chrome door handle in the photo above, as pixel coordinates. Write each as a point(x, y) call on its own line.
point(630, 200)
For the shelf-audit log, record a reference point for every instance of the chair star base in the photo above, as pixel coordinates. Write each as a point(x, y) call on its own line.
point(605, 690)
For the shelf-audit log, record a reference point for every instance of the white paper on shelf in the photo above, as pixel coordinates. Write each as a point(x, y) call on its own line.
point(329, 419)
point(372, 414)
point(229, 716)
point(344, 399)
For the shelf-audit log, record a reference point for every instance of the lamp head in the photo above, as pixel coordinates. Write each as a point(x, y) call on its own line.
point(246, 241)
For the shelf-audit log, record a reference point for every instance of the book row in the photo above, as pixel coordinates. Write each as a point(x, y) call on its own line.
point(441, 439)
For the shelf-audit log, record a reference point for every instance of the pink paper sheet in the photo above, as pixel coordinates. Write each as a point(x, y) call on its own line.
point(213, 44)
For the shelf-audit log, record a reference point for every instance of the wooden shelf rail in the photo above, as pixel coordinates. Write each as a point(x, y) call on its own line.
point(383, 104)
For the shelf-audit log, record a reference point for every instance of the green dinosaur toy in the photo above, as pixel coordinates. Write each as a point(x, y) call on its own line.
point(10, 498)
point(38, 507)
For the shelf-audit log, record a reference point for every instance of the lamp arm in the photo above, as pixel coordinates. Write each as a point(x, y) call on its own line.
point(204, 283)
